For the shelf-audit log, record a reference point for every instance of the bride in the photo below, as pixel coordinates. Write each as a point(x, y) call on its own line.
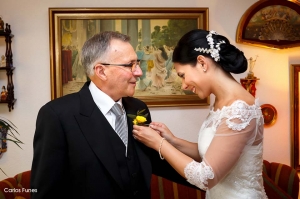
point(227, 160)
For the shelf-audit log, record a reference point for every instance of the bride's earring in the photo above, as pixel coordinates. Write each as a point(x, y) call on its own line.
point(204, 69)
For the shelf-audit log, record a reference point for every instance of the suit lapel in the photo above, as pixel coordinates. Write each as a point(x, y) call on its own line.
point(95, 129)
point(145, 162)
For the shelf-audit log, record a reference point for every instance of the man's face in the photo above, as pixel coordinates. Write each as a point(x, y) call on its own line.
point(121, 81)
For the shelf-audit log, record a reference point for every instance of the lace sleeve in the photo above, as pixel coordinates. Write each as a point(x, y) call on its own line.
point(224, 151)
point(198, 173)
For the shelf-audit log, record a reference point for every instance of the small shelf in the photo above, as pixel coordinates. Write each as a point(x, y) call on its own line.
point(6, 34)
point(249, 85)
point(10, 99)
point(6, 102)
point(7, 68)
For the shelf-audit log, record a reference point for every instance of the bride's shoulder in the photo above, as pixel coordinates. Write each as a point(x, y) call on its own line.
point(239, 103)
point(245, 103)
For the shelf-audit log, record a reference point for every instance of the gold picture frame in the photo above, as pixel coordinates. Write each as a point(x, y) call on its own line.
point(271, 24)
point(295, 114)
point(70, 27)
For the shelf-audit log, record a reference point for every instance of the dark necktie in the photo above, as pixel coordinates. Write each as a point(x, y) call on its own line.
point(120, 123)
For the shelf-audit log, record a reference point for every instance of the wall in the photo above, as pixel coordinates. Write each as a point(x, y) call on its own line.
point(30, 25)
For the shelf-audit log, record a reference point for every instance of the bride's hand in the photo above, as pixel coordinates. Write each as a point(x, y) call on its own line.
point(147, 136)
point(164, 131)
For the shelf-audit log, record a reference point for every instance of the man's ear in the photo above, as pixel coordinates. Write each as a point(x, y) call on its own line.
point(99, 71)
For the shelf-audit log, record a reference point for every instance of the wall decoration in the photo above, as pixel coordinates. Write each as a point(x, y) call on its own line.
point(269, 113)
point(149, 29)
point(250, 80)
point(4, 94)
point(1, 25)
point(3, 61)
point(271, 23)
point(295, 114)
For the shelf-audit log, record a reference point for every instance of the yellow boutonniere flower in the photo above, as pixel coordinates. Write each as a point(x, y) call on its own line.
point(138, 119)
point(135, 122)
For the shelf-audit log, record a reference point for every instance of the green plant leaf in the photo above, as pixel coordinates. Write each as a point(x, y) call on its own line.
point(131, 116)
point(10, 134)
point(3, 171)
point(14, 141)
point(140, 112)
point(8, 124)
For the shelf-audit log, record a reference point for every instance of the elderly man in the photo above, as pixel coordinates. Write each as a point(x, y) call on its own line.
point(83, 147)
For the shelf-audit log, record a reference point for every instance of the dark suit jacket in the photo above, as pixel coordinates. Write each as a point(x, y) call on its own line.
point(73, 157)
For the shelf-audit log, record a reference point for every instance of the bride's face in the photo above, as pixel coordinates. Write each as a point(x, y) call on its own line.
point(193, 79)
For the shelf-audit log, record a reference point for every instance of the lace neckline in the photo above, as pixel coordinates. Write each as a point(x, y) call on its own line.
point(236, 103)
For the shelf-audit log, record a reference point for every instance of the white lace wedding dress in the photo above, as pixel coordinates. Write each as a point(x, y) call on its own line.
point(231, 146)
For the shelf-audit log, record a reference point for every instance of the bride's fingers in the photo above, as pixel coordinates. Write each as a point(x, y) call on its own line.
point(157, 124)
point(135, 132)
point(157, 128)
point(157, 131)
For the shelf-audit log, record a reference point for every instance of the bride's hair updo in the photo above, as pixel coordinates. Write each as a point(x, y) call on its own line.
point(209, 44)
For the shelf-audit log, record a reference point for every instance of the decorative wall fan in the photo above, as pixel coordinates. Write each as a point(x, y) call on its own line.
point(271, 24)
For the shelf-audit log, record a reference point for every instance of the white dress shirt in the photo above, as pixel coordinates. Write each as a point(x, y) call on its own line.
point(105, 103)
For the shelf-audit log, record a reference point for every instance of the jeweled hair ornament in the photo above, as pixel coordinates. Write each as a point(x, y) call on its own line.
point(214, 49)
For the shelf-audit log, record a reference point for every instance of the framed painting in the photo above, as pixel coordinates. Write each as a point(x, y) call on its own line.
point(271, 24)
point(295, 114)
point(152, 30)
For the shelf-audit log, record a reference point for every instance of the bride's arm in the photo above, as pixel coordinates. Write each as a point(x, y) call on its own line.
point(223, 152)
point(188, 148)
point(153, 140)
point(182, 163)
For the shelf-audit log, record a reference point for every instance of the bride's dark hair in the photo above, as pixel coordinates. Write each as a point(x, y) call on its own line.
point(231, 58)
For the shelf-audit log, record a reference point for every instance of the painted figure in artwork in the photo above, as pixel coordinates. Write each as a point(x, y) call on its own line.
point(145, 57)
point(159, 72)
